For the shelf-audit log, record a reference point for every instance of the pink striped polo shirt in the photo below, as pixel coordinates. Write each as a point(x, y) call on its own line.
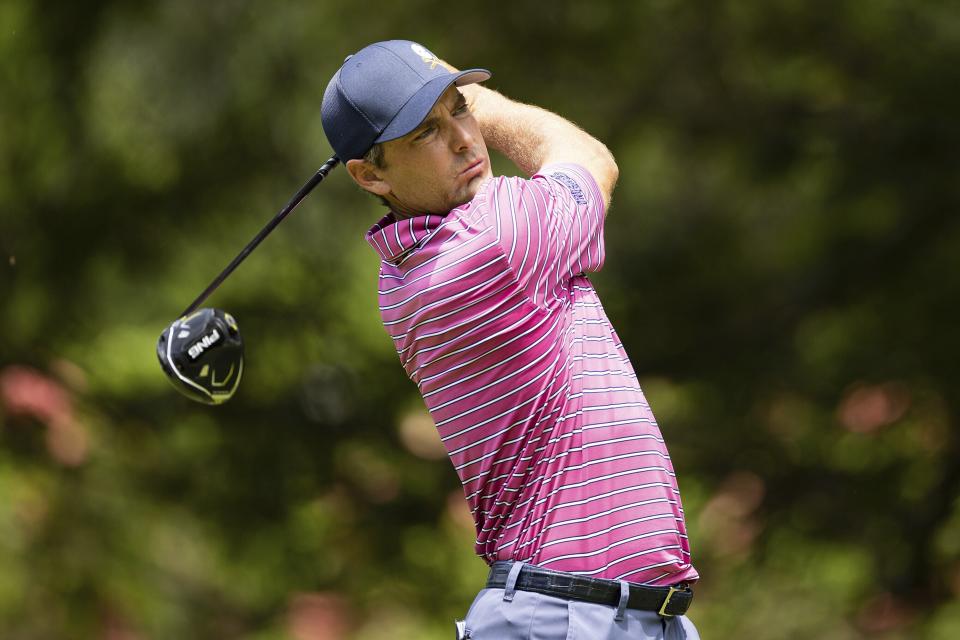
point(561, 459)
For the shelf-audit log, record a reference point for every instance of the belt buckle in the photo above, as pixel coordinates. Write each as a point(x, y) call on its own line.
point(666, 601)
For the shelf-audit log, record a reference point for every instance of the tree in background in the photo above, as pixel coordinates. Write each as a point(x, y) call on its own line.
point(783, 258)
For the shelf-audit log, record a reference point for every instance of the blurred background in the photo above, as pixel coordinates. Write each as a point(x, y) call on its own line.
point(783, 267)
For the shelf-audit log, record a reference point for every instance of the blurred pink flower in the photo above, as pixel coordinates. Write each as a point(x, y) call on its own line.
point(866, 408)
point(884, 613)
point(728, 517)
point(29, 393)
point(116, 627)
point(317, 616)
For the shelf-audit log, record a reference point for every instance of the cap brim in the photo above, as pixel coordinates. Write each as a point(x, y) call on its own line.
point(419, 106)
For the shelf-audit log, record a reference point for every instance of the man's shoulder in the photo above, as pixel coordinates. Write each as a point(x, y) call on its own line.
point(508, 195)
point(573, 180)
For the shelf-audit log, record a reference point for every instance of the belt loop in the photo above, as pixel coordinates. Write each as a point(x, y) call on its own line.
point(624, 598)
point(510, 588)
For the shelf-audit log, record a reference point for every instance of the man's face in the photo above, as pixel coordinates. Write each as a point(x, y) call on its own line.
point(440, 164)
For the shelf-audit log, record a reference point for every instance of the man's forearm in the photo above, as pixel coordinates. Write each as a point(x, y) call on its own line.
point(532, 137)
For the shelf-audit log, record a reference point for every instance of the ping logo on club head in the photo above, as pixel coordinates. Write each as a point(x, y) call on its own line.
point(425, 55)
point(204, 343)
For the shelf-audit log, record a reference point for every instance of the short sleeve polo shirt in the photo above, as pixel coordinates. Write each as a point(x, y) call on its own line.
point(492, 315)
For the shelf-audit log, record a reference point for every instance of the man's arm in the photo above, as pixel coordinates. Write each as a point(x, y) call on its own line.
point(532, 137)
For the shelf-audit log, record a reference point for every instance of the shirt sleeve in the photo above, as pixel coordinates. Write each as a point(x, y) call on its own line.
point(550, 227)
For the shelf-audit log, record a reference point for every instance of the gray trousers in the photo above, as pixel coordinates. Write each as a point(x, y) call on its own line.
point(524, 615)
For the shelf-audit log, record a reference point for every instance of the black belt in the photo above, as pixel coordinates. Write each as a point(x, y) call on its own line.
point(667, 601)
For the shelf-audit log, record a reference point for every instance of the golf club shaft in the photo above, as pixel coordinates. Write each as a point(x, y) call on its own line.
point(277, 219)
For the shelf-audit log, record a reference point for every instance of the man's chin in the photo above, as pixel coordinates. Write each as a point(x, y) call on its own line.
point(468, 194)
point(473, 187)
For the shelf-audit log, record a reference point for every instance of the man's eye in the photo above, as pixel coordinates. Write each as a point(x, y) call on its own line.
point(426, 132)
point(461, 109)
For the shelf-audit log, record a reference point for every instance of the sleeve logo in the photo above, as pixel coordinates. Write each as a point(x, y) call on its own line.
point(572, 185)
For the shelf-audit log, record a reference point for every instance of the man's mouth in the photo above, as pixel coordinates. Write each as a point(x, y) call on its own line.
point(472, 168)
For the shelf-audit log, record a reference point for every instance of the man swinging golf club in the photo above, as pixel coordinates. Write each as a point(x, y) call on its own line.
point(483, 290)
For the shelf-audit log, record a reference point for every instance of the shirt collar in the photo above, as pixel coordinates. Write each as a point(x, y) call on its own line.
point(394, 238)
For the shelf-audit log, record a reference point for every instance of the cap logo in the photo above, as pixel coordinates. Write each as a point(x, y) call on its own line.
point(425, 55)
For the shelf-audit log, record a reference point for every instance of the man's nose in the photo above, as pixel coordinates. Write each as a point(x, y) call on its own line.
point(460, 138)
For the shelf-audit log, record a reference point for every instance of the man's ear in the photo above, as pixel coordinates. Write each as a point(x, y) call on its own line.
point(368, 177)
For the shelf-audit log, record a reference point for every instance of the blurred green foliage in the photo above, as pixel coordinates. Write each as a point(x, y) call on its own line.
point(783, 267)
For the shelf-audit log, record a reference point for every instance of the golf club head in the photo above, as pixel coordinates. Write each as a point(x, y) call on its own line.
point(202, 354)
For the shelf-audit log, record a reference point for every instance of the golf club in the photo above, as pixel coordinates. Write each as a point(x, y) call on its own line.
point(202, 351)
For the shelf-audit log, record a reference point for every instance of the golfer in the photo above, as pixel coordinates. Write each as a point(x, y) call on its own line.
point(483, 289)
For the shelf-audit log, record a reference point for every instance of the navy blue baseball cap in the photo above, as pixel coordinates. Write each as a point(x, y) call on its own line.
point(383, 92)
